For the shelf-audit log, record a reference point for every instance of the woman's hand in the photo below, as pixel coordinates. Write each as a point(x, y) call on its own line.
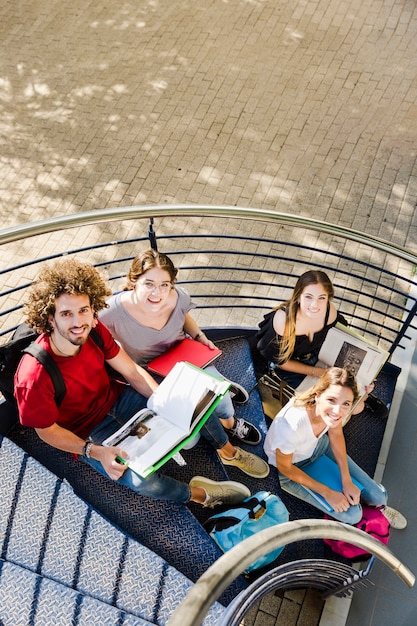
point(361, 405)
point(352, 492)
point(205, 340)
point(337, 500)
point(369, 388)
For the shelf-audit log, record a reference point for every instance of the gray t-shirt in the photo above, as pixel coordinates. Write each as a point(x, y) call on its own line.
point(141, 342)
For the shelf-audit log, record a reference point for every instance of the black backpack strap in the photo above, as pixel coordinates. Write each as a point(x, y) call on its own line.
point(98, 339)
point(220, 523)
point(51, 367)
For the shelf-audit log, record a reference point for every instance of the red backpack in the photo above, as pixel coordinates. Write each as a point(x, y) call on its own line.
point(373, 522)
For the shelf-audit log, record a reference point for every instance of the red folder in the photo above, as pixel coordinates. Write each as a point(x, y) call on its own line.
point(188, 350)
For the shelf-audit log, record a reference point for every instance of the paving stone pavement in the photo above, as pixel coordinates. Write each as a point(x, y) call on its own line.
point(305, 107)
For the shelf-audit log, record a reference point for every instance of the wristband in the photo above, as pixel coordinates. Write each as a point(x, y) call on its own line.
point(87, 449)
point(199, 334)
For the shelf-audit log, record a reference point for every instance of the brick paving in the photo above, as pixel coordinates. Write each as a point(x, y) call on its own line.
point(306, 108)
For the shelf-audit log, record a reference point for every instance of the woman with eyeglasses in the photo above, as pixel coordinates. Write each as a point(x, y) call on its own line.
point(152, 314)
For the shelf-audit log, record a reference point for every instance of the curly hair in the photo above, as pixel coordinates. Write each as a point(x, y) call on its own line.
point(333, 376)
point(291, 306)
point(67, 276)
point(145, 261)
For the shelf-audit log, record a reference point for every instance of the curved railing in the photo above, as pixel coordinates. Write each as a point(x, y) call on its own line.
point(214, 581)
point(182, 210)
point(236, 262)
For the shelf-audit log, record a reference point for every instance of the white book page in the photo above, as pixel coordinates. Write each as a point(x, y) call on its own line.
point(159, 438)
point(139, 417)
point(342, 349)
point(180, 392)
point(154, 431)
point(146, 438)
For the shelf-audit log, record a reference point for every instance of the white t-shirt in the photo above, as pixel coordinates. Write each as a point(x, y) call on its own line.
point(291, 432)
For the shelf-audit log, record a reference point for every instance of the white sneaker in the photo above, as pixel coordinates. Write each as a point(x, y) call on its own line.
point(395, 518)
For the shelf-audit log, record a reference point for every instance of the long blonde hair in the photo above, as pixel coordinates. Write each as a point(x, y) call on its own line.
point(333, 376)
point(291, 307)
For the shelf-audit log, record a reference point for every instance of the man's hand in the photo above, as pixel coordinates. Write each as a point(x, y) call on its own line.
point(107, 456)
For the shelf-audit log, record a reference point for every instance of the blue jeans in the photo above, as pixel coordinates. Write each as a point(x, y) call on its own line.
point(372, 493)
point(155, 486)
point(225, 409)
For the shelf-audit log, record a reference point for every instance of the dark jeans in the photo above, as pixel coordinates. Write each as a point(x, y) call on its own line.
point(156, 486)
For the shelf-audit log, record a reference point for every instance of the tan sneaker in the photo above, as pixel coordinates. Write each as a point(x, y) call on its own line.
point(395, 518)
point(227, 492)
point(249, 463)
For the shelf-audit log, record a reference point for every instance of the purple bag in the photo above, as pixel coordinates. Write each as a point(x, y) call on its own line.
point(373, 522)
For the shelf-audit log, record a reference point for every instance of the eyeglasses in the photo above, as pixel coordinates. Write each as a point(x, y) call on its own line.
point(149, 285)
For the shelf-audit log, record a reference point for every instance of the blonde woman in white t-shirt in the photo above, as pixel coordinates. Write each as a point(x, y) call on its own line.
point(310, 426)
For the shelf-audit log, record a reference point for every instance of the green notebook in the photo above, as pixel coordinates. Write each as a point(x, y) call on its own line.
point(175, 413)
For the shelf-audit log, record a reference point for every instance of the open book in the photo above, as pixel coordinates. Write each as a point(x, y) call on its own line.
point(343, 347)
point(175, 413)
point(188, 350)
point(327, 472)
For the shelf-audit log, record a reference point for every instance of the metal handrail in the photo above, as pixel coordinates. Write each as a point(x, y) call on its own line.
point(89, 218)
point(372, 316)
point(216, 579)
point(223, 572)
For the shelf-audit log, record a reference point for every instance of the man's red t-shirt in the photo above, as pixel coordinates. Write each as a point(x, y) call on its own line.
point(90, 392)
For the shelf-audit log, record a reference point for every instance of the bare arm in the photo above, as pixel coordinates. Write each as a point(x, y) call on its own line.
point(136, 375)
point(65, 440)
point(298, 367)
point(192, 328)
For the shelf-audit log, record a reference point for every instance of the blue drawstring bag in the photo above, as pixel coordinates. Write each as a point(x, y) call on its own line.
point(255, 513)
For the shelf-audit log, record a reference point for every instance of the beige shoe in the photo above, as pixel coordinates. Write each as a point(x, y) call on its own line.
point(226, 492)
point(249, 463)
point(395, 518)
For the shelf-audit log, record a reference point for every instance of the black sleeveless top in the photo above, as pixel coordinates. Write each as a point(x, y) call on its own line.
point(268, 342)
